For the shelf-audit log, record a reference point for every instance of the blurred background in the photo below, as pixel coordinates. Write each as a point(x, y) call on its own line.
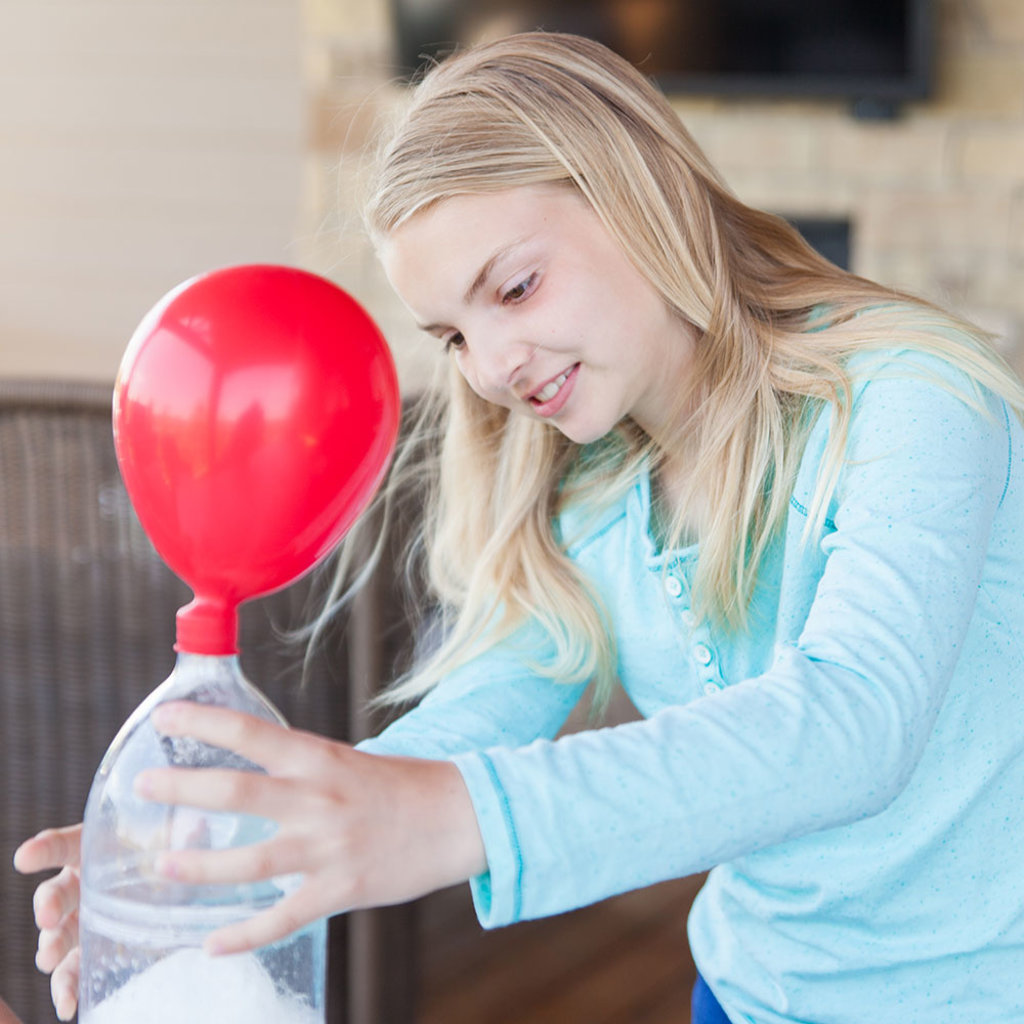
point(143, 141)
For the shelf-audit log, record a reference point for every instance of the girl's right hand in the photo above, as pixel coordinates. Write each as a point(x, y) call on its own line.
point(56, 909)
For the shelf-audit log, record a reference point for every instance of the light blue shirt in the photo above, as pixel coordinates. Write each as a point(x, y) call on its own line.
point(851, 767)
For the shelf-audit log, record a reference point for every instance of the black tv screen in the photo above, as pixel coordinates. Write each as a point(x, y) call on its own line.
point(867, 51)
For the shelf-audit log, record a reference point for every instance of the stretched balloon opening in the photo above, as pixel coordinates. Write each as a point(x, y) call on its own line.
point(207, 626)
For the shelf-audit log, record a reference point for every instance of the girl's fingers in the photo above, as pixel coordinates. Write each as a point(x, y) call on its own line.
point(56, 943)
point(55, 898)
point(288, 915)
point(252, 863)
point(64, 986)
point(51, 848)
point(215, 789)
point(272, 746)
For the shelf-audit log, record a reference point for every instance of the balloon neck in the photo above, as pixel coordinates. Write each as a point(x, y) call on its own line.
point(206, 626)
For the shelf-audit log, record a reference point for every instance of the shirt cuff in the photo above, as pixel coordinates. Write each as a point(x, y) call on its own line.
point(497, 893)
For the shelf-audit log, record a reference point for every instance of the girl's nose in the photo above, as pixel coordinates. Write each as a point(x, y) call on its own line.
point(502, 363)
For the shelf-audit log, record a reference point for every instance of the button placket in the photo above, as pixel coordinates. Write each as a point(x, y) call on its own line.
point(706, 659)
point(701, 647)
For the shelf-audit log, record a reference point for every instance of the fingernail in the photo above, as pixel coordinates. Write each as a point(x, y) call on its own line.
point(143, 785)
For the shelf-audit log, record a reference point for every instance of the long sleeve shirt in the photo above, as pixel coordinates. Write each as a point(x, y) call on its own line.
point(850, 766)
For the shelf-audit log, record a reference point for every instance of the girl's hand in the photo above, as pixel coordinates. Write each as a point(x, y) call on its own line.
point(362, 829)
point(56, 910)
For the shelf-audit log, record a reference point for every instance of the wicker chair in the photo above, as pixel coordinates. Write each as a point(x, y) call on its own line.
point(86, 631)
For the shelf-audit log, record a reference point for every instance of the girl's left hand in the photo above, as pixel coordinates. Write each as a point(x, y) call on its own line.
point(363, 829)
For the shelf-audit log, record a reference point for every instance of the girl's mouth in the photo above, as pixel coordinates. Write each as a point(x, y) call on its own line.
point(550, 389)
point(550, 398)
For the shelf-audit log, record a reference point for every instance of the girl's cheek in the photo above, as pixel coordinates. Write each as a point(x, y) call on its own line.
point(465, 366)
point(471, 379)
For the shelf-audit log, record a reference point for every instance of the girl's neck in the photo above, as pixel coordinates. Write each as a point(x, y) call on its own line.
point(672, 497)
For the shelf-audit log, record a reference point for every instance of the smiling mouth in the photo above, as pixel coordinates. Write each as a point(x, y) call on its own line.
point(550, 389)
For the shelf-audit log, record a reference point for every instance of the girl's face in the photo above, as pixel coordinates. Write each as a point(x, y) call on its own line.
point(542, 310)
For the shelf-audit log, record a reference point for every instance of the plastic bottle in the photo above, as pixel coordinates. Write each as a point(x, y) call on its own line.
point(141, 934)
point(255, 412)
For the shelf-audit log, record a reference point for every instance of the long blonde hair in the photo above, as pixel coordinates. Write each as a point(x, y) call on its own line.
point(776, 321)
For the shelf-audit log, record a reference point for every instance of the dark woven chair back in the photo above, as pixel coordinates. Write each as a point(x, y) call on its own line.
point(86, 631)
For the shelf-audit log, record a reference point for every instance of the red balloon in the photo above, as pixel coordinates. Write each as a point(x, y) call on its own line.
point(255, 413)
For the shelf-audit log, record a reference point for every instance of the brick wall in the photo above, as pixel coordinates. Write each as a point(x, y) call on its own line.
point(935, 198)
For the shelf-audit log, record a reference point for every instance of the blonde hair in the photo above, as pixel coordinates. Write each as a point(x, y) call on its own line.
point(776, 323)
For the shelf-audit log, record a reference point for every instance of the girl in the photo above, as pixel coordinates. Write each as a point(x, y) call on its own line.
point(778, 504)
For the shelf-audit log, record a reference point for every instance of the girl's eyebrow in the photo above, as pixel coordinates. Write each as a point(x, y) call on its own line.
point(485, 270)
point(481, 278)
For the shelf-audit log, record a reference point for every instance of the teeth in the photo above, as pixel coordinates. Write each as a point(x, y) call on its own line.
point(551, 389)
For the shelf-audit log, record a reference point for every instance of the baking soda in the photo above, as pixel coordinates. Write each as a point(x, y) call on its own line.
point(190, 987)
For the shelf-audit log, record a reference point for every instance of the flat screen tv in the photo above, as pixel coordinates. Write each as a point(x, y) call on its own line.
point(875, 54)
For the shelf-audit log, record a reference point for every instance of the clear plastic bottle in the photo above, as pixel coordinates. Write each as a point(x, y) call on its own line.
point(141, 934)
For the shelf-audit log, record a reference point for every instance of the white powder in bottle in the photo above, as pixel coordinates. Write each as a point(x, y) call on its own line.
point(189, 986)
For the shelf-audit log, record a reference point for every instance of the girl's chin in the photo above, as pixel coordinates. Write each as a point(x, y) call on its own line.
point(582, 433)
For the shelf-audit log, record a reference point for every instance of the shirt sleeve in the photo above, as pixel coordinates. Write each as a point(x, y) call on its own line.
point(829, 734)
point(492, 700)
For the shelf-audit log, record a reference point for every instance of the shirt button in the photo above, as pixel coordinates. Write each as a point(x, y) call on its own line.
point(672, 586)
point(703, 654)
point(710, 689)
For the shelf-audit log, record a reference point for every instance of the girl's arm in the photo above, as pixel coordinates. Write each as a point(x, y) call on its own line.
point(830, 734)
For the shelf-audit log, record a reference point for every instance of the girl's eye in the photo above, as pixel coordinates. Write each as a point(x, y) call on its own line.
point(519, 291)
point(453, 341)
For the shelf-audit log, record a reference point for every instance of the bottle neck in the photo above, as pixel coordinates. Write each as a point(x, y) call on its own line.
point(216, 679)
point(206, 663)
point(204, 677)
